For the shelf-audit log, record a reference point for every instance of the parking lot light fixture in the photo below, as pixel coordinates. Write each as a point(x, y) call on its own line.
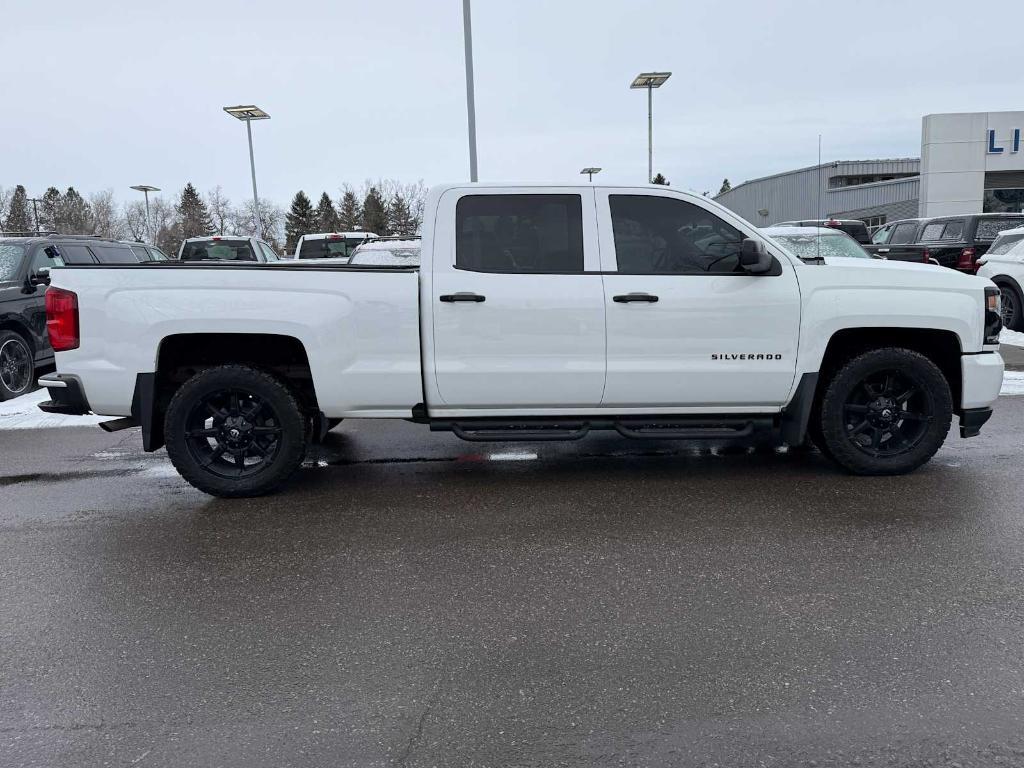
point(146, 189)
point(650, 81)
point(590, 173)
point(248, 113)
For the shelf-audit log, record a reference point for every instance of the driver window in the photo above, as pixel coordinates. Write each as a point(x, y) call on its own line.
point(663, 235)
point(519, 233)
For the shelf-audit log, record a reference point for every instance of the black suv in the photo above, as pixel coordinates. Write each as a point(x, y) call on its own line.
point(25, 263)
point(952, 241)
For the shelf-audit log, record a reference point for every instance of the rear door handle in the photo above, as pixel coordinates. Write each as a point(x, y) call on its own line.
point(882, 250)
point(628, 298)
point(450, 298)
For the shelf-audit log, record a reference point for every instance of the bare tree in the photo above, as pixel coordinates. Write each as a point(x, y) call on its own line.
point(271, 222)
point(134, 217)
point(105, 218)
point(220, 210)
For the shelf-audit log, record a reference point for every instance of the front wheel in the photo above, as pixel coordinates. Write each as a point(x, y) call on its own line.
point(885, 412)
point(1012, 309)
point(235, 431)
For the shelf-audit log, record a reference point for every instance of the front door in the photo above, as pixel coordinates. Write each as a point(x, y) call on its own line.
point(517, 301)
point(687, 327)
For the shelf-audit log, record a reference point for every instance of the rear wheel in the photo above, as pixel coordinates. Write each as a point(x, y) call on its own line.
point(885, 412)
point(1013, 308)
point(235, 431)
point(17, 365)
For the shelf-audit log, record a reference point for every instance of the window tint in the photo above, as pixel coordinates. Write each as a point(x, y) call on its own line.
point(111, 254)
point(76, 254)
point(328, 247)
point(904, 233)
point(519, 233)
point(953, 230)
point(664, 235)
point(989, 228)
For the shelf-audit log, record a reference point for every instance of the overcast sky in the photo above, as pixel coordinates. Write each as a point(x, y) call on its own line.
point(106, 94)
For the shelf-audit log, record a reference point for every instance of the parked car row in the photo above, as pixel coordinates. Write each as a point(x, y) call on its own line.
point(957, 242)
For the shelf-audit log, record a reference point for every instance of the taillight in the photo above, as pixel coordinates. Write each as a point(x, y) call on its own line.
point(965, 260)
point(62, 319)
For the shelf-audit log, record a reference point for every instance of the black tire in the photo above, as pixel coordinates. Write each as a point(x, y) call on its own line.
point(885, 412)
point(235, 431)
point(1013, 307)
point(17, 365)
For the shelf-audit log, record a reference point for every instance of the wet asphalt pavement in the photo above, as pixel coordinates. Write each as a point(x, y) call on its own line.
point(411, 599)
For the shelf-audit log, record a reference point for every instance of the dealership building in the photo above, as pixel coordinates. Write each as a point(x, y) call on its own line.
point(971, 162)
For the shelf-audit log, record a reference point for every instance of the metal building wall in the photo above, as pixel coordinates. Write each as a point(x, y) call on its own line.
point(795, 195)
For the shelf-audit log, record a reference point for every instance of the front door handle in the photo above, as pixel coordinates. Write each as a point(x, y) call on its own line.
point(628, 298)
point(450, 298)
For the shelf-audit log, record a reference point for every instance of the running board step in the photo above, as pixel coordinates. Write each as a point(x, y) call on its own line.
point(653, 427)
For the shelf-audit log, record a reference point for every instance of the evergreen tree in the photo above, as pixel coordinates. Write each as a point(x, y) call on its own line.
point(193, 216)
point(301, 220)
point(19, 217)
point(726, 186)
point(73, 214)
point(375, 214)
point(400, 218)
point(326, 215)
point(350, 214)
point(660, 179)
point(49, 210)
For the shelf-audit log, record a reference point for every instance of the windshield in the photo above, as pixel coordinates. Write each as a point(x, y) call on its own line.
point(218, 250)
point(10, 260)
point(808, 247)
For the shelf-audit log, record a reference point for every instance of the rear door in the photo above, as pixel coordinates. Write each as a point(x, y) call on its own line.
point(517, 300)
point(901, 243)
point(687, 327)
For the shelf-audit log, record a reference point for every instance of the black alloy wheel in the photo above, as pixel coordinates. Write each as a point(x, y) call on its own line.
point(16, 366)
point(233, 433)
point(1011, 308)
point(887, 414)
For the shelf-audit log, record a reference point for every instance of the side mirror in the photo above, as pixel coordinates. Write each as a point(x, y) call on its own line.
point(40, 277)
point(754, 257)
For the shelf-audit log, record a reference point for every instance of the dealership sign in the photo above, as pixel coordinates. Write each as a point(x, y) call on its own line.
point(997, 149)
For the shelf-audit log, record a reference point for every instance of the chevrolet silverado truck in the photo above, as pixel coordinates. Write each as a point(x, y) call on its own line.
point(537, 313)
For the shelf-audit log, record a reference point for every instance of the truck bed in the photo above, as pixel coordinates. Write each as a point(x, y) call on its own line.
point(359, 326)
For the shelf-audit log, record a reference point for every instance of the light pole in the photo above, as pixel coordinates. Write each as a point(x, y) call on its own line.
point(248, 113)
point(467, 34)
point(146, 189)
point(35, 211)
point(650, 81)
point(590, 173)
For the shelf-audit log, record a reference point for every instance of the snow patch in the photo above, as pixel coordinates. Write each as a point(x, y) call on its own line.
point(23, 413)
point(512, 456)
point(1013, 338)
point(1013, 383)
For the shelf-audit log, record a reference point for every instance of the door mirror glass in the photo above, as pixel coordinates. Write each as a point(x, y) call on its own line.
point(754, 257)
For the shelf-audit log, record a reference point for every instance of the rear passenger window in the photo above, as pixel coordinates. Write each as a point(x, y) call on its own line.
point(76, 254)
point(108, 254)
point(519, 233)
point(655, 235)
point(903, 234)
point(953, 230)
point(933, 231)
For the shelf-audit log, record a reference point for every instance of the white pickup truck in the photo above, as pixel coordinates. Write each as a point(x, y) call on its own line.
point(538, 313)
